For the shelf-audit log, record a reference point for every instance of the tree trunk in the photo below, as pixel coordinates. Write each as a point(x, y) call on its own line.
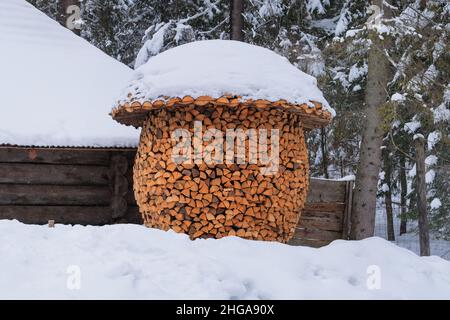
point(403, 193)
point(421, 188)
point(364, 200)
point(323, 145)
point(422, 5)
point(237, 20)
point(388, 195)
point(69, 13)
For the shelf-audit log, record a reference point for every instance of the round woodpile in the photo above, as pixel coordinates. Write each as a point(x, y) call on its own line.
point(204, 199)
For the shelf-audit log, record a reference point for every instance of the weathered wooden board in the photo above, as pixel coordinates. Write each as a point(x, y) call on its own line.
point(74, 186)
point(309, 243)
point(317, 234)
point(84, 215)
point(321, 190)
point(322, 224)
point(54, 195)
point(336, 216)
point(330, 207)
point(31, 173)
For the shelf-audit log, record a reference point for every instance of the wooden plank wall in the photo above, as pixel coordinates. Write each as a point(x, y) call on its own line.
point(326, 214)
point(94, 186)
point(71, 186)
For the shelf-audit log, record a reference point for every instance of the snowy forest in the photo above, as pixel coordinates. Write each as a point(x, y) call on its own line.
point(378, 139)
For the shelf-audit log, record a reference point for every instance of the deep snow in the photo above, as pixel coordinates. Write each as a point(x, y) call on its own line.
point(131, 261)
point(219, 67)
point(55, 88)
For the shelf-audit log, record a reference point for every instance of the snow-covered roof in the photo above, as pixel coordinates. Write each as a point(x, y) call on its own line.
point(216, 68)
point(55, 88)
point(126, 261)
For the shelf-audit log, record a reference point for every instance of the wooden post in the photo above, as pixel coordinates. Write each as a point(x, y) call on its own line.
point(237, 20)
point(348, 210)
point(69, 11)
point(119, 186)
point(421, 189)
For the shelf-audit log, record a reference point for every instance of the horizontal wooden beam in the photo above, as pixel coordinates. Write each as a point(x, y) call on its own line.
point(32, 173)
point(308, 242)
point(321, 190)
point(321, 223)
point(54, 195)
point(317, 234)
point(84, 215)
point(71, 156)
point(324, 206)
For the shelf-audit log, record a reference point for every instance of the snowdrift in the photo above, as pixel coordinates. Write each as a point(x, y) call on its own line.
point(134, 262)
point(55, 88)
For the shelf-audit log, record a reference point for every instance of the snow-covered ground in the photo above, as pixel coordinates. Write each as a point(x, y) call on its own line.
point(131, 261)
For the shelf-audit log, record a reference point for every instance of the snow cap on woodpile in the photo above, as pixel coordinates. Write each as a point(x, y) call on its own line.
point(221, 72)
point(56, 89)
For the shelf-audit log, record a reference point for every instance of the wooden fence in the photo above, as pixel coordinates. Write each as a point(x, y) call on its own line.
point(326, 216)
point(94, 186)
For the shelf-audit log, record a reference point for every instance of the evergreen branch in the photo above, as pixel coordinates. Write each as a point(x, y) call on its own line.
point(399, 149)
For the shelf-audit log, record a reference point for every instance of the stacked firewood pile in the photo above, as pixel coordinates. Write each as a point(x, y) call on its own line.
point(205, 199)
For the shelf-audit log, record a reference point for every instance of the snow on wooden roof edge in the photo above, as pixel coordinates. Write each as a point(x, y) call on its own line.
point(219, 68)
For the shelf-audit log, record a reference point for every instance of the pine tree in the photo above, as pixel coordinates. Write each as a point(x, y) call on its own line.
point(192, 20)
point(420, 90)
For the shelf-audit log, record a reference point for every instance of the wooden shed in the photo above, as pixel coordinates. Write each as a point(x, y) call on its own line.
point(57, 143)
